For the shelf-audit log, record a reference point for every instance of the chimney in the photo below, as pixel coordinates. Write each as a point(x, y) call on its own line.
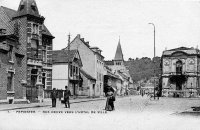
point(78, 35)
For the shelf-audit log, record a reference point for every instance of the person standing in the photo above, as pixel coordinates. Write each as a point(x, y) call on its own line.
point(53, 97)
point(67, 94)
point(110, 94)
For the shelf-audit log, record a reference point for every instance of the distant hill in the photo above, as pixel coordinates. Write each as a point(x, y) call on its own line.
point(143, 68)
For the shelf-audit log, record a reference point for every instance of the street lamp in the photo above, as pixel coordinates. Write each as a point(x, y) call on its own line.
point(154, 55)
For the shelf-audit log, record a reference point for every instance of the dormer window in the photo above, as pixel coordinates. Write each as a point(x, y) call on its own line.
point(21, 7)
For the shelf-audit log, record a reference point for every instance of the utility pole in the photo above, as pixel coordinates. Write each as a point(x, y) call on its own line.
point(154, 56)
point(68, 52)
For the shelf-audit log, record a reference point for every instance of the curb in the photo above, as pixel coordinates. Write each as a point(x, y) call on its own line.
point(37, 106)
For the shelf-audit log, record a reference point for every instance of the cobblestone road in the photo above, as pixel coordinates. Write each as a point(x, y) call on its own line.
point(133, 112)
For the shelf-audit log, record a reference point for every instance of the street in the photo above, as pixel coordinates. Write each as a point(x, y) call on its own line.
point(131, 112)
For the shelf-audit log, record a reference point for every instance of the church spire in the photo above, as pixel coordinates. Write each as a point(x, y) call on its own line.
point(119, 54)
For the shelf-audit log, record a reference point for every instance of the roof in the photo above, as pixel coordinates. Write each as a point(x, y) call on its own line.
point(186, 50)
point(86, 43)
point(87, 75)
point(109, 62)
point(27, 7)
point(6, 20)
point(63, 56)
point(119, 54)
point(8, 24)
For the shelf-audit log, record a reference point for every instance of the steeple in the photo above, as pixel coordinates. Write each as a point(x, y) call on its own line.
point(27, 7)
point(119, 54)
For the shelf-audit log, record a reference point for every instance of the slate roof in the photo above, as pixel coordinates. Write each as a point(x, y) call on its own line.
point(87, 75)
point(7, 23)
point(63, 56)
point(119, 54)
point(27, 7)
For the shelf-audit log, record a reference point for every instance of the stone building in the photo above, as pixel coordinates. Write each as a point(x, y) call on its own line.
point(93, 62)
point(180, 72)
point(29, 45)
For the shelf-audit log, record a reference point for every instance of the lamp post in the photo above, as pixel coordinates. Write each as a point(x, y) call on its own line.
point(154, 56)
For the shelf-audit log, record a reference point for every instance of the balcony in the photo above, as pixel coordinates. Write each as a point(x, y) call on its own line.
point(34, 62)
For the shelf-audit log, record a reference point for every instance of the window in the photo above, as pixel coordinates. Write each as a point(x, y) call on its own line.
point(10, 81)
point(43, 79)
point(76, 70)
point(19, 60)
point(71, 69)
point(34, 48)
point(179, 67)
point(34, 75)
point(10, 53)
point(44, 55)
point(35, 29)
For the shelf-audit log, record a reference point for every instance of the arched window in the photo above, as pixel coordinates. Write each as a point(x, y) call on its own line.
point(179, 66)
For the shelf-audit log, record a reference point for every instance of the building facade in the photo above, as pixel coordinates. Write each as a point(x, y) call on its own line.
point(66, 70)
point(33, 44)
point(180, 72)
point(92, 61)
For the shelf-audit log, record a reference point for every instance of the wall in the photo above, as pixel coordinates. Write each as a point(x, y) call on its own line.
point(60, 76)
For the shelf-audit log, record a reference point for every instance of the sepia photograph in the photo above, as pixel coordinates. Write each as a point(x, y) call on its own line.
point(99, 64)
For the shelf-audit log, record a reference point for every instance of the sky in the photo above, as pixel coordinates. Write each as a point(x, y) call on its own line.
point(101, 22)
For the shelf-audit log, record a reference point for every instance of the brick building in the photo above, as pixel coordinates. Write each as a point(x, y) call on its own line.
point(26, 59)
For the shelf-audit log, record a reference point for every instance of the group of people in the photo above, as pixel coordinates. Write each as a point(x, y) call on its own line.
point(67, 94)
point(110, 93)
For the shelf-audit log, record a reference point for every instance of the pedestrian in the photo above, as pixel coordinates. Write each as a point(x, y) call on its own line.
point(53, 97)
point(60, 94)
point(110, 94)
point(67, 94)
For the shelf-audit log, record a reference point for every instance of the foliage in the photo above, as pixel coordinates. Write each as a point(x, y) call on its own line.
point(143, 68)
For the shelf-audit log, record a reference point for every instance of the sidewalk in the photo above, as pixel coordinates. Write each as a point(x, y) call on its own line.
point(46, 103)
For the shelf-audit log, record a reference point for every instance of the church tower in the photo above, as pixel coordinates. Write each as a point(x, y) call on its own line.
point(119, 59)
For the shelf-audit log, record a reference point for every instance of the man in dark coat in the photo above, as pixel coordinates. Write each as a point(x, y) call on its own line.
point(53, 97)
point(67, 94)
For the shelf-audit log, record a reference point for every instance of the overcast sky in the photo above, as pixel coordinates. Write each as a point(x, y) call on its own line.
point(101, 22)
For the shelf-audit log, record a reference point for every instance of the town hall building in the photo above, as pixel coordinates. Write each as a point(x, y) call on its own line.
point(180, 72)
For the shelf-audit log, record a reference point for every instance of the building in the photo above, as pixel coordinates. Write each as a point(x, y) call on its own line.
point(118, 67)
point(29, 61)
point(180, 72)
point(92, 60)
point(88, 84)
point(66, 70)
